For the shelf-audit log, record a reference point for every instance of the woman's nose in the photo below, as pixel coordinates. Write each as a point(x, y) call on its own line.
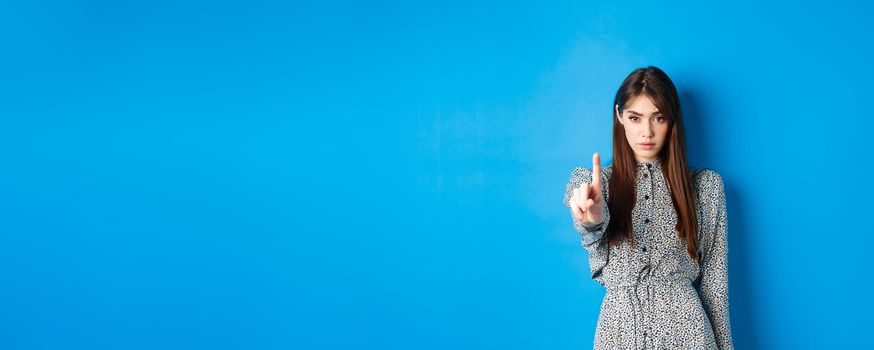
point(648, 129)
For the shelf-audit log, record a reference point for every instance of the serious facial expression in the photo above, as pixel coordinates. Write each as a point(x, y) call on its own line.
point(645, 128)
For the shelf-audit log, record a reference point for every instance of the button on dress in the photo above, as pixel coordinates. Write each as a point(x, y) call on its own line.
point(656, 296)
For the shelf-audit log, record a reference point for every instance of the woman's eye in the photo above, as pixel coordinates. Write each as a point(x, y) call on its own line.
point(633, 118)
point(660, 119)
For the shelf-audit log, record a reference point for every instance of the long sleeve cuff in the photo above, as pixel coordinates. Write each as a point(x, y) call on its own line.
point(591, 234)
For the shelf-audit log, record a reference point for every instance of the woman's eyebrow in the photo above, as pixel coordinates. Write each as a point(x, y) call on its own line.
point(638, 113)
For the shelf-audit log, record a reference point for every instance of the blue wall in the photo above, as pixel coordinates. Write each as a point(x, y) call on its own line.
point(263, 175)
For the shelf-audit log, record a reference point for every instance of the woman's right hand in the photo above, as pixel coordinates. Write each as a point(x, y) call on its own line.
point(587, 202)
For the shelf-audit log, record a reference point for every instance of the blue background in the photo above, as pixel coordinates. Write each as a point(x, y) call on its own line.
point(265, 175)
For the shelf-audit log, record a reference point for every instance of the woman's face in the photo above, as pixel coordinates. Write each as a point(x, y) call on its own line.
point(645, 128)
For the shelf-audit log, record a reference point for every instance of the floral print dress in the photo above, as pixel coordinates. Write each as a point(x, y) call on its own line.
point(656, 296)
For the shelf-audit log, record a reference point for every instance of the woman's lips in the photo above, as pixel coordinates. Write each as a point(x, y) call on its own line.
point(647, 145)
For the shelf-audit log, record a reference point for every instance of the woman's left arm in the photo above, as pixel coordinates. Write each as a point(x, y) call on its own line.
point(714, 265)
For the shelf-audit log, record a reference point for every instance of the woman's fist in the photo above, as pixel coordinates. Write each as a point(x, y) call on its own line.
point(587, 202)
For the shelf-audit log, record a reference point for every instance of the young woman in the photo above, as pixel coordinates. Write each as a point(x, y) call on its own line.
point(655, 230)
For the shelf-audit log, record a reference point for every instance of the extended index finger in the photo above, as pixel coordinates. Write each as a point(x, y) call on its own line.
point(596, 170)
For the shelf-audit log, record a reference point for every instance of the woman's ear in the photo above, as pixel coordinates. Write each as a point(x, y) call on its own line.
point(616, 110)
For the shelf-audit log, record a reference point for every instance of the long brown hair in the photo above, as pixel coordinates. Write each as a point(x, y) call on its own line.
point(655, 84)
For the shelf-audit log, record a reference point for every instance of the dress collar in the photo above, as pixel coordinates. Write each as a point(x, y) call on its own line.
point(655, 163)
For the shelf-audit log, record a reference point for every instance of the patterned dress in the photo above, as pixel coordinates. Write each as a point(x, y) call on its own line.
point(657, 297)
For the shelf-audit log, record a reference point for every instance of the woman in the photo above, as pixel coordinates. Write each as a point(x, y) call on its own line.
point(655, 230)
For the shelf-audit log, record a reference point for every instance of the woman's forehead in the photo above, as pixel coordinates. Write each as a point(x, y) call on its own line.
point(641, 105)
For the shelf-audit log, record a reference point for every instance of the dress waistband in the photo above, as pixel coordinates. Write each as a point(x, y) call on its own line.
point(650, 280)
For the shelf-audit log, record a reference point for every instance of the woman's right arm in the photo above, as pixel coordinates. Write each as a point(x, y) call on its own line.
point(590, 236)
point(593, 233)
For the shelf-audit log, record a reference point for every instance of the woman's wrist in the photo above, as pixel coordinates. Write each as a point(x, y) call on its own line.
point(592, 227)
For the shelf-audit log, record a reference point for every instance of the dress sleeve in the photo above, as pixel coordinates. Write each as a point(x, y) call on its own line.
point(590, 237)
point(713, 281)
